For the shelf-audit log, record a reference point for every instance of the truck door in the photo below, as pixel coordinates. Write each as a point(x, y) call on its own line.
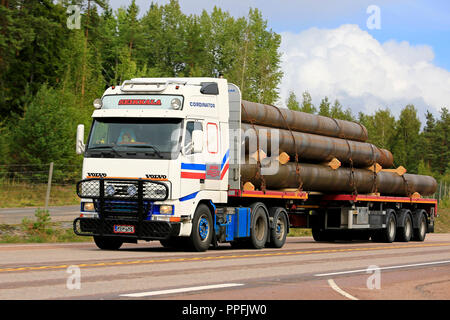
point(192, 164)
point(212, 156)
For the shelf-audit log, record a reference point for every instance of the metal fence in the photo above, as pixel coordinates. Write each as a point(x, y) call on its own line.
point(442, 193)
point(39, 175)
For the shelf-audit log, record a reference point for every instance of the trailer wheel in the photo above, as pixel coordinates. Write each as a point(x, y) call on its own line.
point(108, 243)
point(279, 229)
point(202, 229)
point(404, 233)
point(420, 233)
point(388, 234)
point(260, 226)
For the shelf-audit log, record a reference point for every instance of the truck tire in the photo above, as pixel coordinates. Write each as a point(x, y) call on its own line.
point(202, 229)
point(404, 233)
point(108, 243)
point(280, 227)
point(420, 232)
point(388, 234)
point(259, 226)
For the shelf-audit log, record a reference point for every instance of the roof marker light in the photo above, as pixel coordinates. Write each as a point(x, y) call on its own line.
point(98, 103)
point(176, 103)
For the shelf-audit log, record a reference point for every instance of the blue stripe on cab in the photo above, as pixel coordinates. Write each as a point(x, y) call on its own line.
point(189, 196)
point(193, 166)
point(225, 158)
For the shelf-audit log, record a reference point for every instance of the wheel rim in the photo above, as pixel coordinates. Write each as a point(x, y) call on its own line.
point(279, 228)
point(203, 228)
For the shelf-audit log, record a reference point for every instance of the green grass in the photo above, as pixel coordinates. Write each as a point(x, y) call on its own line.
point(298, 232)
point(27, 195)
point(443, 221)
point(38, 230)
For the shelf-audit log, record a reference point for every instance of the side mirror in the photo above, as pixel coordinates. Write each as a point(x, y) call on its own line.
point(80, 139)
point(197, 141)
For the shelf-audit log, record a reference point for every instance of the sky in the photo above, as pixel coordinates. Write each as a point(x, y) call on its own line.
point(367, 54)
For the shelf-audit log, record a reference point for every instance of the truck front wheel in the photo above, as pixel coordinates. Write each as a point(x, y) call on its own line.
point(108, 243)
point(202, 229)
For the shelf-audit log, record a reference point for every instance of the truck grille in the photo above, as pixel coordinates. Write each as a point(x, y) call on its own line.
point(122, 189)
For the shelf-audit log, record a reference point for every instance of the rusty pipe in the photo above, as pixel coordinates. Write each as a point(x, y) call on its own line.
point(271, 116)
point(313, 147)
point(321, 178)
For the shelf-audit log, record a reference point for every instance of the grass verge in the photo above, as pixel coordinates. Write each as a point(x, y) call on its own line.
point(17, 195)
point(443, 221)
point(39, 230)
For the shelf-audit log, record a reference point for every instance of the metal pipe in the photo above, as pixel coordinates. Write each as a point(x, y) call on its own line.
point(271, 116)
point(317, 148)
point(321, 178)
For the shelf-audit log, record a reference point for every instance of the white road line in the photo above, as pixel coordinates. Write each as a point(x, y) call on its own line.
point(335, 287)
point(382, 268)
point(180, 290)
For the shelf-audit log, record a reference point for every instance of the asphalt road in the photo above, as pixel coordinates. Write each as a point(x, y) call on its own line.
point(57, 214)
point(302, 269)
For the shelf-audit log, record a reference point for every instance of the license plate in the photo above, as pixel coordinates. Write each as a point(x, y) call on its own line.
point(123, 229)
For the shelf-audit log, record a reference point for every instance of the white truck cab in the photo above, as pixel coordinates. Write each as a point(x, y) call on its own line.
point(158, 148)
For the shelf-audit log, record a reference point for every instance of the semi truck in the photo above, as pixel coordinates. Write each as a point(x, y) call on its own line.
point(164, 161)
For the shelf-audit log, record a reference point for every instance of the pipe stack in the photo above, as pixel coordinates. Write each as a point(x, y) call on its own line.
point(317, 142)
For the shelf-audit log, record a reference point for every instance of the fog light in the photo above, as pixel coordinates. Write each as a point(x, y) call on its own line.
point(88, 206)
point(165, 209)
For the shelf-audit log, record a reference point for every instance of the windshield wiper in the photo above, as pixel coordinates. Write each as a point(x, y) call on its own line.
point(146, 146)
point(106, 147)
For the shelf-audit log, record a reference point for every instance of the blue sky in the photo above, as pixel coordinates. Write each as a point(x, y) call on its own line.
point(406, 60)
point(415, 21)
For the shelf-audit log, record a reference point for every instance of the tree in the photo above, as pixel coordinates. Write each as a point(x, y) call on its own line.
point(337, 112)
point(324, 107)
point(292, 102)
point(380, 127)
point(307, 105)
point(406, 149)
point(48, 124)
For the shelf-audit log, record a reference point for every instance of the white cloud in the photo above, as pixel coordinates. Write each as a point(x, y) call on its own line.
point(348, 64)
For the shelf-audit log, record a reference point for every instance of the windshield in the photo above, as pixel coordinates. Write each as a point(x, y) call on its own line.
point(134, 138)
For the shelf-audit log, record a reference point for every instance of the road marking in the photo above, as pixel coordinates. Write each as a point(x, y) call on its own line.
point(180, 290)
point(335, 287)
point(210, 258)
point(382, 268)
